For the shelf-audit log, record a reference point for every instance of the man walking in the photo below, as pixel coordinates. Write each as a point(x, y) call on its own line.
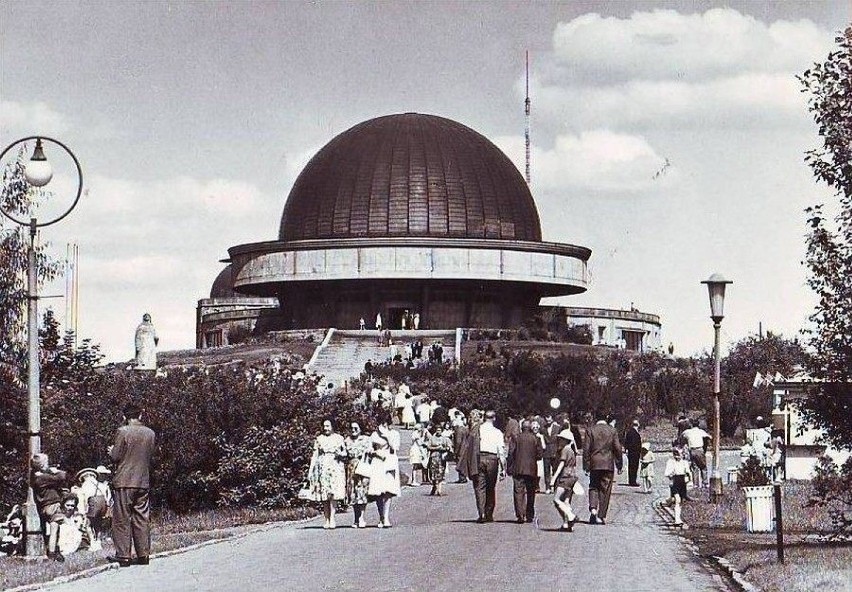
point(633, 443)
point(132, 451)
point(697, 441)
point(524, 452)
point(601, 454)
point(482, 461)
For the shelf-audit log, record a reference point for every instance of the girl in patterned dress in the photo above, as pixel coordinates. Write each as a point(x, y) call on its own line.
point(358, 449)
point(327, 475)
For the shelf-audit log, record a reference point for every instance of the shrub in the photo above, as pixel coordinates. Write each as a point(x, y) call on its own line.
point(752, 473)
point(832, 489)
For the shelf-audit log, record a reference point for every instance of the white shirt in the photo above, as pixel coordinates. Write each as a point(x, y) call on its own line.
point(491, 439)
point(676, 467)
point(695, 437)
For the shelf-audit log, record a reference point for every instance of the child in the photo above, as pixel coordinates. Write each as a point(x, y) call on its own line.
point(48, 484)
point(646, 467)
point(677, 470)
point(415, 457)
point(564, 478)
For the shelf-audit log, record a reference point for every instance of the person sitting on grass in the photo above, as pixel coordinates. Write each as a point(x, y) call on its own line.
point(48, 485)
point(74, 532)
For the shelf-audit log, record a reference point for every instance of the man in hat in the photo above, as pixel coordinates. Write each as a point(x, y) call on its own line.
point(132, 452)
point(601, 455)
point(633, 443)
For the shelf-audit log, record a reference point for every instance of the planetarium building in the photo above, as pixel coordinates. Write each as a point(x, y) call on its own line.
point(408, 212)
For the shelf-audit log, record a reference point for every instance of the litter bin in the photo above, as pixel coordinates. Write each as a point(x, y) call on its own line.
point(760, 509)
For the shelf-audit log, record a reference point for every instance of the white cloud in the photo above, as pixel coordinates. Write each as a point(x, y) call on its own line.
point(29, 119)
point(663, 69)
point(597, 161)
point(665, 44)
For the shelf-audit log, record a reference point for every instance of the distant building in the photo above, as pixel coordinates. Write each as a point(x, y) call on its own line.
point(632, 330)
point(406, 213)
point(228, 317)
point(803, 444)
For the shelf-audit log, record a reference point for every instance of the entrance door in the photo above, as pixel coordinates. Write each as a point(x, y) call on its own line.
point(395, 314)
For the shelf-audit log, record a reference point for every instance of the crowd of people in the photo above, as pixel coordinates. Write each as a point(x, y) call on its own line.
point(77, 512)
point(541, 453)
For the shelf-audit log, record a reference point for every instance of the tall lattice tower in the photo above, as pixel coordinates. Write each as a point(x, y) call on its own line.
point(527, 116)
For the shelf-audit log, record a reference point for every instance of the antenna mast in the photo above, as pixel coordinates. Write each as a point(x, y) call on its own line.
point(527, 115)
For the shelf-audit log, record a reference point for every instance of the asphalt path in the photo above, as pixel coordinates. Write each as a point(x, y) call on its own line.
point(435, 544)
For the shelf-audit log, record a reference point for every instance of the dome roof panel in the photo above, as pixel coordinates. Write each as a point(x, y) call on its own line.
point(410, 175)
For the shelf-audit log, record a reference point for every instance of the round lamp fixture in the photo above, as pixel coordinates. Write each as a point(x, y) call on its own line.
point(38, 171)
point(555, 403)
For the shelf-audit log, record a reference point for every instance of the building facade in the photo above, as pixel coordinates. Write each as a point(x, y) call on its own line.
point(625, 329)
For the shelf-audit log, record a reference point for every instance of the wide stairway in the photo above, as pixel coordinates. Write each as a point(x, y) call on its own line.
point(347, 351)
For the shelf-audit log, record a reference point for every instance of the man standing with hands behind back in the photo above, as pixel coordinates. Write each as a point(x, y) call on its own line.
point(601, 454)
point(132, 451)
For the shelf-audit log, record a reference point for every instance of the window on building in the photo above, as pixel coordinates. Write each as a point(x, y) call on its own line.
point(601, 331)
point(213, 338)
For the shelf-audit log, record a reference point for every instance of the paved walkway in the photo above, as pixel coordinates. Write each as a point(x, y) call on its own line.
point(435, 545)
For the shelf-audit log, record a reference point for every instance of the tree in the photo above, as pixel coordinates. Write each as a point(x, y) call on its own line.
point(829, 243)
point(15, 197)
point(741, 400)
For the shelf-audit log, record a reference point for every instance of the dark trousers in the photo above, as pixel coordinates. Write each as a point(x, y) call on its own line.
point(632, 468)
point(485, 484)
point(523, 489)
point(548, 472)
point(600, 488)
point(131, 522)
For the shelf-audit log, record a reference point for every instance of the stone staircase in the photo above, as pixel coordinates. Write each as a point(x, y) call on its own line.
point(342, 355)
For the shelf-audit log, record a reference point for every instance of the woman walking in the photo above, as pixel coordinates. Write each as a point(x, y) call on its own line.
point(438, 445)
point(384, 468)
point(358, 450)
point(564, 478)
point(327, 475)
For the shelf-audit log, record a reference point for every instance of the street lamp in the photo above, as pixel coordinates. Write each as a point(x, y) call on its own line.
point(37, 172)
point(716, 288)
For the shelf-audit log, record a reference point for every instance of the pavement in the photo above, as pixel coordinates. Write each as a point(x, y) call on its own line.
point(436, 544)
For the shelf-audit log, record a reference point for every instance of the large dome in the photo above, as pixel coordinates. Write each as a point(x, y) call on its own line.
point(410, 175)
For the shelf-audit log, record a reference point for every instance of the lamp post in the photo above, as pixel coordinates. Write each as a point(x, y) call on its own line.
point(716, 287)
point(37, 172)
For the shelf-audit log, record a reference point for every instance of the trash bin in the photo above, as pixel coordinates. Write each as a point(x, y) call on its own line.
point(760, 509)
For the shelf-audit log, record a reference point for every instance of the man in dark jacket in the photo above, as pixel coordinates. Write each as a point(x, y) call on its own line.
point(633, 443)
point(48, 484)
point(524, 452)
point(460, 432)
point(132, 452)
point(601, 454)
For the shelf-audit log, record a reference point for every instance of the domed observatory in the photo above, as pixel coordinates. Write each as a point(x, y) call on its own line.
point(413, 213)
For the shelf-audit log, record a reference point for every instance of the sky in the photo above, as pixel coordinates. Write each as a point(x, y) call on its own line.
point(667, 137)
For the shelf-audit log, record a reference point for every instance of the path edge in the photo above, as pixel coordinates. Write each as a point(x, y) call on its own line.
point(717, 563)
point(93, 571)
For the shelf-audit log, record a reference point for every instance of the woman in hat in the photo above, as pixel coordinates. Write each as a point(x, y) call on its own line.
point(438, 445)
point(326, 473)
point(646, 467)
point(564, 478)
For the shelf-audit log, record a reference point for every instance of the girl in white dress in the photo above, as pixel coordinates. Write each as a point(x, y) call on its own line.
point(384, 473)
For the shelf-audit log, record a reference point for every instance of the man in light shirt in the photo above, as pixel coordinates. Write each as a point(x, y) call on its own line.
point(696, 440)
point(492, 465)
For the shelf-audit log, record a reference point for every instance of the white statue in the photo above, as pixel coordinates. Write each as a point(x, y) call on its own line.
point(146, 344)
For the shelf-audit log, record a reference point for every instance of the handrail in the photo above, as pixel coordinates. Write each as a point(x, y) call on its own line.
point(320, 347)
